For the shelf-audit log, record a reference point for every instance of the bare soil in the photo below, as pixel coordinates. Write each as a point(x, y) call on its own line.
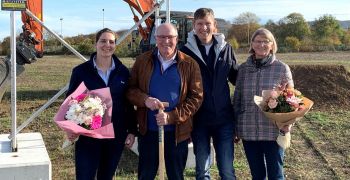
point(320, 146)
point(327, 85)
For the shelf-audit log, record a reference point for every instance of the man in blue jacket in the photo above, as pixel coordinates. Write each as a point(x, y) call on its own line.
point(214, 118)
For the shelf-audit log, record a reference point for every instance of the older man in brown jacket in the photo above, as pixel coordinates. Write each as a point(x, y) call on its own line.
point(165, 75)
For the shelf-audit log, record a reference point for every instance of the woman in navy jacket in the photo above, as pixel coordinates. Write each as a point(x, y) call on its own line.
point(104, 69)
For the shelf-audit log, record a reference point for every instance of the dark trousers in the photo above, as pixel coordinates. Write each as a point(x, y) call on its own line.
point(97, 156)
point(222, 136)
point(175, 156)
point(264, 156)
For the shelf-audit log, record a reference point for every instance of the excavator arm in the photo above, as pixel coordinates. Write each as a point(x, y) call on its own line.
point(28, 47)
point(31, 45)
point(142, 7)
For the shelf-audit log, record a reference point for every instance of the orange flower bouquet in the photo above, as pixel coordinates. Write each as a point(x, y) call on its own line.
point(283, 107)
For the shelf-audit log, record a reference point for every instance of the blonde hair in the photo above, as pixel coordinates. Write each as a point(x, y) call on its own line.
point(264, 32)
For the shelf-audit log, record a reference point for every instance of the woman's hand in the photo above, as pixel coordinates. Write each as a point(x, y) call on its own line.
point(129, 141)
point(286, 128)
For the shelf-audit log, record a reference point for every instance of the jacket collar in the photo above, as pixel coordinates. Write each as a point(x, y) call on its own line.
point(192, 44)
point(269, 60)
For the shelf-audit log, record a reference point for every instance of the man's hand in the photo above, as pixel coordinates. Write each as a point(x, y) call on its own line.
point(153, 103)
point(236, 139)
point(162, 118)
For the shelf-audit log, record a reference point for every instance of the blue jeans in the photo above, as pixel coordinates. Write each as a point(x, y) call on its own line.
point(222, 136)
point(175, 156)
point(259, 152)
point(99, 156)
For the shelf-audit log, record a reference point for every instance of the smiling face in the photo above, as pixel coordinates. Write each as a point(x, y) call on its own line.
point(262, 46)
point(105, 46)
point(166, 38)
point(204, 28)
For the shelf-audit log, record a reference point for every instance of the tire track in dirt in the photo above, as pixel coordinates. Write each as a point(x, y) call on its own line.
point(304, 161)
point(335, 157)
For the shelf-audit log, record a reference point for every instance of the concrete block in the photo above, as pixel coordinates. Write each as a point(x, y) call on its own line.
point(30, 162)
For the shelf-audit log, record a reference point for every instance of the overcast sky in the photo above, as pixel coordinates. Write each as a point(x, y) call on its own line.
point(86, 16)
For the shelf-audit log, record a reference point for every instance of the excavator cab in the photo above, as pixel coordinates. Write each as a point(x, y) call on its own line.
point(181, 20)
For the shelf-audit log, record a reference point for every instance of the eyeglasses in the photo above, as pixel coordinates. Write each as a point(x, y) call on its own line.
point(163, 37)
point(264, 42)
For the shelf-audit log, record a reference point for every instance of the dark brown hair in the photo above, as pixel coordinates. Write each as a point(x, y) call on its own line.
point(203, 12)
point(100, 32)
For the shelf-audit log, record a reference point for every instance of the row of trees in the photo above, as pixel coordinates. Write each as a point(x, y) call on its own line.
point(293, 33)
point(84, 44)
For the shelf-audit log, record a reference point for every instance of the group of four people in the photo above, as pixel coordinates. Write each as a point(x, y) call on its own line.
point(194, 82)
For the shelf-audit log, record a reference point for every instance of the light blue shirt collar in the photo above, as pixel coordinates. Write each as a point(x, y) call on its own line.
point(166, 63)
point(104, 76)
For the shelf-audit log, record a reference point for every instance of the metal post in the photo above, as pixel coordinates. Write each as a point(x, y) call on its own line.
point(168, 11)
point(13, 84)
point(103, 18)
point(248, 33)
point(156, 23)
point(61, 19)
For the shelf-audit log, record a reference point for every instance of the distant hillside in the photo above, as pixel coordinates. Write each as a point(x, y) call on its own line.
point(343, 24)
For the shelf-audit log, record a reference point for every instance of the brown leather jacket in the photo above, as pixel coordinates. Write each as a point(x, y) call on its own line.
point(191, 93)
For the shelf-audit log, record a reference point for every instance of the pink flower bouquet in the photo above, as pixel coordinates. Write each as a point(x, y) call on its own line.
point(283, 107)
point(86, 113)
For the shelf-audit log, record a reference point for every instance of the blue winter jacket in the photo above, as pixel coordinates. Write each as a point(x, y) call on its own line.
point(216, 108)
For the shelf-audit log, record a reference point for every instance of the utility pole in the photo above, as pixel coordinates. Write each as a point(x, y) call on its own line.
point(103, 18)
point(61, 19)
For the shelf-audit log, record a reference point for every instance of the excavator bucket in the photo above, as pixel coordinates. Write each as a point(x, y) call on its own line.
point(31, 45)
point(32, 27)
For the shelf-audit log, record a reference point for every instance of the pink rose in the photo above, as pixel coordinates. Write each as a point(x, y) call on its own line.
point(274, 94)
point(81, 97)
point(272, 103)
point(96, 122)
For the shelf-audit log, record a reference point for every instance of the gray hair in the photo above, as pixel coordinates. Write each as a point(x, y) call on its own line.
point(166, 24)
point(264, 32)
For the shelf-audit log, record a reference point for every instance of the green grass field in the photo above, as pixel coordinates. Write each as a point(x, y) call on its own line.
point(320, 146)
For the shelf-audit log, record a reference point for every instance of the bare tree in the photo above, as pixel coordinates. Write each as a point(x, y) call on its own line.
point(247, 19)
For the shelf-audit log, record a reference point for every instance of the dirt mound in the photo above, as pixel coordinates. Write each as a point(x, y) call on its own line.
point(327, 85)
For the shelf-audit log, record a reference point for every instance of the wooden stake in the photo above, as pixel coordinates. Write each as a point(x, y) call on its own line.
point(161, 169)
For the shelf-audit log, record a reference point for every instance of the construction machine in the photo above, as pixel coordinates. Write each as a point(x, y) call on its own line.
point(29, 46)
point(181, 19)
